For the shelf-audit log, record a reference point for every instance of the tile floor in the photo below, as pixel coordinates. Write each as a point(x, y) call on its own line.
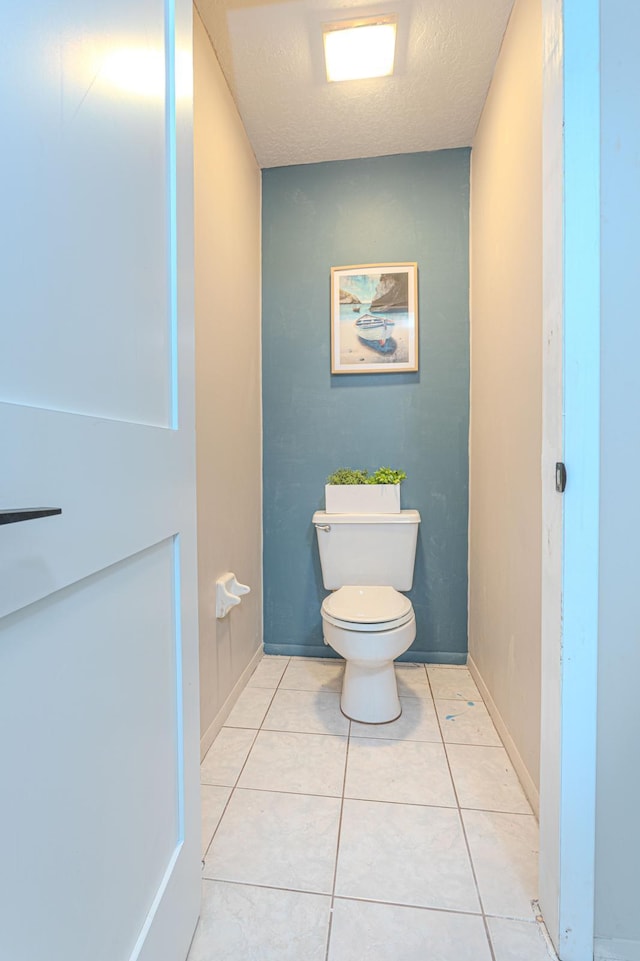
point(328, 840)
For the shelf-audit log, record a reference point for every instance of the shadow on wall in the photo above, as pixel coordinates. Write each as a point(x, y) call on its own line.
point(372, 380)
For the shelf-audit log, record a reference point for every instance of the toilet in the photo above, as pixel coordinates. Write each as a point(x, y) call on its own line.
point(367, 560)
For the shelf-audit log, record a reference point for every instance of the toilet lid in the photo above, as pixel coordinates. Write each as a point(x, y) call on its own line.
point(367, 605)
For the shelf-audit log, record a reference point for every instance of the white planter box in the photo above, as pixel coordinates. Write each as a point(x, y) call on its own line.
point(362, 498)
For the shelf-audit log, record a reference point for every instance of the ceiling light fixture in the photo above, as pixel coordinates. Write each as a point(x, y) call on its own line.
point(358, 49)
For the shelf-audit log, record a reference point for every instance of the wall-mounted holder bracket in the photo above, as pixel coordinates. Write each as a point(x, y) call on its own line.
point(228, 593)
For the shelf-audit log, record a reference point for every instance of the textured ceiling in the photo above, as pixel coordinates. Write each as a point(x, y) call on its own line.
point(271, 55)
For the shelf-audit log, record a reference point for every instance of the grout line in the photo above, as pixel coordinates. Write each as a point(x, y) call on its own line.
point(238, 727)
point(492, 916)
point(403, 904)
point(360, 900)
point(484, 747)
point(408, 804)
point(231, 793)
point(233, 788)
point(488, 936)
point(193, 936)
point(445, 667)
point(278, 730)
point(511, 814)
point(403, 740)
point(269, 730)
point(335, 866)
point(253, 741)
point(268, 887)
point(440, 740)
point(270, 790)
point(466, 839)
point(367, 800)
point(300, 690)
point(215, 783)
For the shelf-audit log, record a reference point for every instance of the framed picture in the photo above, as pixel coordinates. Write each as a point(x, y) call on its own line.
point(374, 319)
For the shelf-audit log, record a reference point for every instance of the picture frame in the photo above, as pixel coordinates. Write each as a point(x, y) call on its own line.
point(374, 318)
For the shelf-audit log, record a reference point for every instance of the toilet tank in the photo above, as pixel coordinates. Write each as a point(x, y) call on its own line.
point(376, 549)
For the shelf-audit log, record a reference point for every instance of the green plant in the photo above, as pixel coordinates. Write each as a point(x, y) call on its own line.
point(383, 475)
point(387, 475)
point(347, 475)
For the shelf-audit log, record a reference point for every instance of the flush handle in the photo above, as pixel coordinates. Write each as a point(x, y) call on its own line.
point(323, 527)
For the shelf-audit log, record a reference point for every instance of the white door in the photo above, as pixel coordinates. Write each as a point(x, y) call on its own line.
point(571, 425)
point(98, 651)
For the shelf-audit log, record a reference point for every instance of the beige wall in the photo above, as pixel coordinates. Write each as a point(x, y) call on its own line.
point(228, 406)
point(505, 433)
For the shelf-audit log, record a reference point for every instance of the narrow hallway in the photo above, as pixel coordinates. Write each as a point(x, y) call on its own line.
point(328, 839)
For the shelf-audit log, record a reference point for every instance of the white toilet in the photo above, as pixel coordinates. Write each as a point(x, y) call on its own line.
point(367, 559)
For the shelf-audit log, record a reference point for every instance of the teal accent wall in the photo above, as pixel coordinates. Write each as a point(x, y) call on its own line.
point(413, 207)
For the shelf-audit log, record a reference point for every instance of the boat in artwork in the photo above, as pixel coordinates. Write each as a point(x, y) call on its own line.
point(370, 328)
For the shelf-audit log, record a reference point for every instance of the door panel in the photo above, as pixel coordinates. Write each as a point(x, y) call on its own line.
point(121, 487)
point(89, 207)
point(98, 624)
point(97, 799)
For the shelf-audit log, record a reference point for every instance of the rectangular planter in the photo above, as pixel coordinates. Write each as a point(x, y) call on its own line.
point(362, 498)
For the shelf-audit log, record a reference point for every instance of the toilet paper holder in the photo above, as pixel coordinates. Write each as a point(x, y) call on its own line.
point(228, 593)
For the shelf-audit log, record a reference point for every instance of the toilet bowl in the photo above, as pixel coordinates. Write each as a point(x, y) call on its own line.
point(366, 561)
point(369, 626)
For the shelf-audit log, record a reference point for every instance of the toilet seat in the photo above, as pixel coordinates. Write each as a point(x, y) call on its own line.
point(367, 608)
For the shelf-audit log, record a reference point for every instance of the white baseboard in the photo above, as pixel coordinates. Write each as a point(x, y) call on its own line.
point(605, 949)
point(528, 785)
point(210, 734)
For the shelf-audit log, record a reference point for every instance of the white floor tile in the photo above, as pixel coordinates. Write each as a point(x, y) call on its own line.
point(401, 840)
point(282, 840)
point(453, 682)
point(307, 712)
point(386, 932)
point(269, 671)
point(298, 763)
point(225, 757)
point(250, 708)
point(518, 941)
point(213, 801)
point(412, 680)
point(485, 779)
point(311, 674)
point(466, 722)
point(413, 772)
point(417, 722)
point(243, 923)
point(504, 850)
point(406, 854)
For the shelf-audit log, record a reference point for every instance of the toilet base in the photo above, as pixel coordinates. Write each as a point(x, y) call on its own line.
point(369, 687)
point(370, 693)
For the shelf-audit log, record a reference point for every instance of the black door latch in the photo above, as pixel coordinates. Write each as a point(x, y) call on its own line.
point(26, 514)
